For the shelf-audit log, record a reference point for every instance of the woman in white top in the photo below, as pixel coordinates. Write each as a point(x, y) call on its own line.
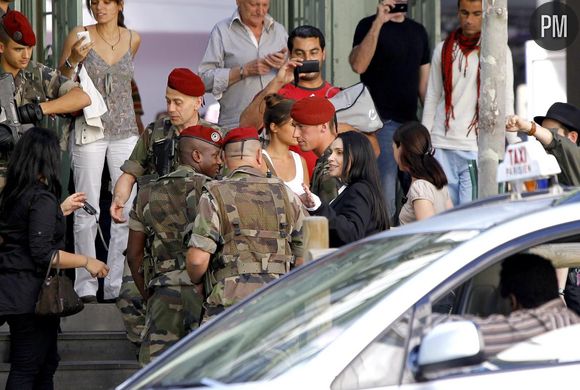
point(428, 194)
point(281, 161)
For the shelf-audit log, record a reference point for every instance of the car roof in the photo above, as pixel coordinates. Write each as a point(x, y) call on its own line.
point(489, 212)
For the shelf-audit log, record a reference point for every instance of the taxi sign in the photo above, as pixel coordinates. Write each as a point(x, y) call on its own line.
point(526, 161)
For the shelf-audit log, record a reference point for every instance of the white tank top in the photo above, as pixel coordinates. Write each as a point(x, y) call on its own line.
point(296, 183)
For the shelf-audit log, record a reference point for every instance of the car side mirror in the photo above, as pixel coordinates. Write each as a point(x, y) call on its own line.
point(447, 346)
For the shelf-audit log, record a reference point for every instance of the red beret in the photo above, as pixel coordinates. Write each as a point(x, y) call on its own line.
point(312, 111)
point(186, 82)
point(241, 134)
point(204, 133)
point(18, 28)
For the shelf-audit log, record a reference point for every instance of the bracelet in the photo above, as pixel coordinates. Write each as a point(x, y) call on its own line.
point(561, 291)
point(68, 64)
point(533, 129)
point(241, 72)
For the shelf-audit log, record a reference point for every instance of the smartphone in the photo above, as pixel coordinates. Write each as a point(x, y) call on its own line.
point(85, 36)
point(399, 7)
point(89, 209)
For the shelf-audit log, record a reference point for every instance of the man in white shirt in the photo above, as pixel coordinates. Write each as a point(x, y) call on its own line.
point(451, 104)
point(242, 56)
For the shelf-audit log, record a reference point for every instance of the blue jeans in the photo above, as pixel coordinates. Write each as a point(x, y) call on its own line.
point(455, 163)
point(388, 166)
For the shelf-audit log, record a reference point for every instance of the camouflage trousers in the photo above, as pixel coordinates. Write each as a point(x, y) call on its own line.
point(132, 307)
point(172, 312)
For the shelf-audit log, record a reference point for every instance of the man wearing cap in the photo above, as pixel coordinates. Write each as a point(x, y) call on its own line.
point(315, 129)
point(248, 231)
point(304, 43)
point(154, 155)
point(558, 132)
point(41, 89)
point(159, 218)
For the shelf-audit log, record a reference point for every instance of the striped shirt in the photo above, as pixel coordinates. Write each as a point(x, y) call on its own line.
point(500, 332)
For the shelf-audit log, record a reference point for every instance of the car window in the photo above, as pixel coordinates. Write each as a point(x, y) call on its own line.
point(479, 295)
point(292, 321)
point(381, 363)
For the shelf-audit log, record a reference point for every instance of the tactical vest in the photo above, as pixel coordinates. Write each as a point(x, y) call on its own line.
point(169, 229)
point(254, 239)
point(162, 147)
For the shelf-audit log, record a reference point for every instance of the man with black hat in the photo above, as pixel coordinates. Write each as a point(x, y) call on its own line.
point(248, 230)
point(154, 155)
point(558, 132)
point(159, 218)
point(40, 90)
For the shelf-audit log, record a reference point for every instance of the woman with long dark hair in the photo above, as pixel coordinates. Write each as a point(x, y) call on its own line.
point(108, 60)
point(359, 209)
point(32, 230)
point(287, 165)
point(428, 194)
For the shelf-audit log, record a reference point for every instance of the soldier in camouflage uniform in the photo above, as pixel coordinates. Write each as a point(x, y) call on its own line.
point(248, 231)
point(154, 155)
point(36, 85)
point(163, 210)
point(315, 129)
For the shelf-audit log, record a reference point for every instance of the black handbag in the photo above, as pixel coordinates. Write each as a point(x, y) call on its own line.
point(57, 296)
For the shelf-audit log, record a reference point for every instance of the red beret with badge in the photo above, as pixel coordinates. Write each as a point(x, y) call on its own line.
point(186, 82)
point(313, 111)
point(203, 133)
point(18, 28)
point(241, 134)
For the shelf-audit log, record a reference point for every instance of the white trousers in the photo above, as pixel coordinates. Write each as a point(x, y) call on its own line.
point(87, 163)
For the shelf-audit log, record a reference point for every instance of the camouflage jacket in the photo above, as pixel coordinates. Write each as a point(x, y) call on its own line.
point(163, 211)
point(324, 185)
point(36, 84)
point(143, 160)
point(253, 226)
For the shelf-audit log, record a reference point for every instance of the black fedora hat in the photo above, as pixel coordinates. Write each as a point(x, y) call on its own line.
point(565, 113)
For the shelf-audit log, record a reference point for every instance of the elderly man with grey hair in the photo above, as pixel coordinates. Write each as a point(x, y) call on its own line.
point(242, 56)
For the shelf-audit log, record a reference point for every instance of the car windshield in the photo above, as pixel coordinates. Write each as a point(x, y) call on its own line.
point(291, 322)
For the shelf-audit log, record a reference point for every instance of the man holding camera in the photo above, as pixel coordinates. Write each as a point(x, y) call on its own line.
point(297, 79)
point(391, 54)
point(39, 90)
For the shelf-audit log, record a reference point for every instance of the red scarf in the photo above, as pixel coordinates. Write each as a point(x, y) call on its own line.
point(449, 53)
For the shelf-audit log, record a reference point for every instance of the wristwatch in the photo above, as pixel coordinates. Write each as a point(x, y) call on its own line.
point(68, 64)
point(241, 72)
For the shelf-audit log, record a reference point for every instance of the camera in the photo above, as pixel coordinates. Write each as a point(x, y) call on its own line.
point(399, 7)
point(308, 66)
point(11, 116)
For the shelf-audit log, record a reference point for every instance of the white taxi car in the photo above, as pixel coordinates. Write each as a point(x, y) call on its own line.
point(356, 318)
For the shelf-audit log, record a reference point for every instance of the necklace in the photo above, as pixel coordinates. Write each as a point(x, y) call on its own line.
point(107, 42)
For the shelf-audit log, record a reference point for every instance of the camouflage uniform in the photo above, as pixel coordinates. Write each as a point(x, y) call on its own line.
point(163, 210)
point(141, 164)
point(252, 225)
point(324, 185)
point(35, 84)
point(142, 160)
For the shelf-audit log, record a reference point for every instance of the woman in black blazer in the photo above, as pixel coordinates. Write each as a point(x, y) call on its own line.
point(359, 210)
point(31, 232)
